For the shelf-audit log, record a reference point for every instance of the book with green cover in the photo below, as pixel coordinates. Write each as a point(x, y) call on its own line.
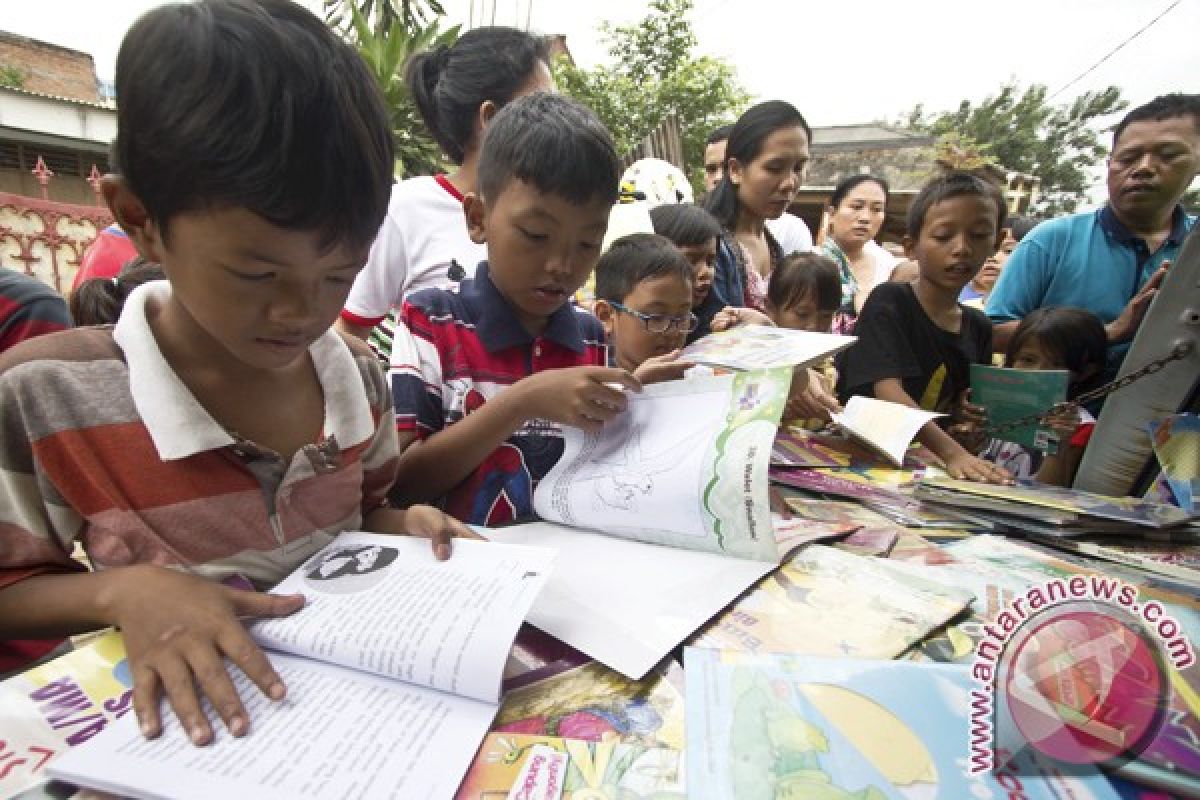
point(1008, 394)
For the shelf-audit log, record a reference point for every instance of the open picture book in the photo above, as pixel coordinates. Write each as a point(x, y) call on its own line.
point(887, 428)
point(661, 518)
point(393, 670)
point(749, 347)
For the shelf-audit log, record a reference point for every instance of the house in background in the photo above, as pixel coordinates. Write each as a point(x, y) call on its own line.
point(56, 124)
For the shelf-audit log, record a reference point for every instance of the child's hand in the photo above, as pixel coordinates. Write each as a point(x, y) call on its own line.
point(964, 466)
point(809, 398)
point(178, 631)
point(969, 421)
point(731, 317)
point(1063, 419)
point(436, 526)
point(582, 397)
point(666, 367)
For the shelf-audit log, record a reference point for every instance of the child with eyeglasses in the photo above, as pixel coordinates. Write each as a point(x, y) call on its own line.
point(644, 302)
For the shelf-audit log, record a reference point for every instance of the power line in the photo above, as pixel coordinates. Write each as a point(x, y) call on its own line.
point(1110, 53)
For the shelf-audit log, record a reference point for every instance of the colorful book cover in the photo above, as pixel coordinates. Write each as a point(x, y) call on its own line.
point(1176, 442)
point(749, 347)
point(825, 601)
point(592, 702)
point(857, 484)
point(1029, 495)
point(605, 770)
point(1009, 394)
point(803, 449)
point(779, 726)
point(60, 704)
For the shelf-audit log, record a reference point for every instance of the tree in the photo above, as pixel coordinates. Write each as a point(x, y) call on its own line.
point(1191, 201)
point(654, 74)
point(1024, 132)
point(387, 33)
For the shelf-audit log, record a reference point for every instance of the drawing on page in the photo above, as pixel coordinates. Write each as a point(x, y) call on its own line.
point(621, 477)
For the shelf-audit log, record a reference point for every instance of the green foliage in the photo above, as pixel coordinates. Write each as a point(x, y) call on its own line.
point(1024, 132)
point(12, 76)
point(414, 15)
point(385, 50)
point(654, 74)
point(1191, 201)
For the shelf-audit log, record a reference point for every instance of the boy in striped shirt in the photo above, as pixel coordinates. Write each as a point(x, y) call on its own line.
point(220, 432)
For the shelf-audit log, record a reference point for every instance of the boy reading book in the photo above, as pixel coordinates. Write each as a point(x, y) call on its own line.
point(484, 376)
point(916, 342)
point(644, 301)
point(219, 431)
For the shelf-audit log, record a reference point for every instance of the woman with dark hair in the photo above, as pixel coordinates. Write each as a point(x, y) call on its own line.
point(856, 212)
point(765, 160)
point(423, 241)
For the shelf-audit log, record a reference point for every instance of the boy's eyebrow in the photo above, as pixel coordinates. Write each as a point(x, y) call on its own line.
point(263, 258)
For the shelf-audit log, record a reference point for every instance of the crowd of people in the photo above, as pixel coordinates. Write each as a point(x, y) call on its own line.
point(220, 422)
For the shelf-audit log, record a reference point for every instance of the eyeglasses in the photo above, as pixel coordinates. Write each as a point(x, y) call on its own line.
point(661, 323)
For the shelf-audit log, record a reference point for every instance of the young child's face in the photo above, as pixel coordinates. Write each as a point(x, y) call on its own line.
point(1032, 355)
point(986, 279)
point(803, 315)
point(248, 289)
point(703, 258)
point(664, 296)
point(958, 235)
point(541, 247)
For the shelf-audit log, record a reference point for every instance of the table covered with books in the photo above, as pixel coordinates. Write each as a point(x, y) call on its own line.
point(857, 666)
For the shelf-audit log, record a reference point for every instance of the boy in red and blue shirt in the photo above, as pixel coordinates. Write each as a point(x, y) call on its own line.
point(486, 375)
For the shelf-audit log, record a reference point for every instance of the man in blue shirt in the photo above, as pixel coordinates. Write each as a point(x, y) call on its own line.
point(1111, 261)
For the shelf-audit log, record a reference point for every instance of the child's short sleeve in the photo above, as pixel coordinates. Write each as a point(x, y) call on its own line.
point(37, 528)
point(380, 285)
point(381, 458)
point(416, 373)
point(884, 347)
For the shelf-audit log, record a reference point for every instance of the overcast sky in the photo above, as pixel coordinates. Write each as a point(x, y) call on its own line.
point(838, 62)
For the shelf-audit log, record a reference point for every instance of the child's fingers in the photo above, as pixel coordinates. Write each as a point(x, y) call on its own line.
point(214, 682)
point(606, 376)
point(247, 656)
point(179, 686)
point(146, 695)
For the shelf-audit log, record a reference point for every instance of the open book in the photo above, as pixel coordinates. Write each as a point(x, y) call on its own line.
point(887, 428)
point(749, 347)
point(662, 518)
point(393, 671)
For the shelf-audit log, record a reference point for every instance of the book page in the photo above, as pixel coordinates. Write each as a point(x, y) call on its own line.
point(888, 427)
point(685, 465)
point(339, 733)
point(384, 604)
point(749, 347)
point(625, 603)
point(1009, 393)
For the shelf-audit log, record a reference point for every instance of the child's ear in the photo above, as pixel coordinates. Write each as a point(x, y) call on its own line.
point(487, 110)
point(475, 210)
point(733, 169)
point(132, 216)
point(606, 314)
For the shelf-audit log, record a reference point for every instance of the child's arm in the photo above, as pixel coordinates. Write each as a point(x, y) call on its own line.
point(582, 397)
point(1058, 469)
point(424, 521)
point(667, 367)
point(178, 630)
point(959, 463)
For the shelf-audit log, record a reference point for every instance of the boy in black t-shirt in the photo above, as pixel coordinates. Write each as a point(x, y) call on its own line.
point(916, 342)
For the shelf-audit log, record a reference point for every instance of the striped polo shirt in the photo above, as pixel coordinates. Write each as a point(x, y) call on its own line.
point(102, 443)
point(28, 308)
point(455, 351)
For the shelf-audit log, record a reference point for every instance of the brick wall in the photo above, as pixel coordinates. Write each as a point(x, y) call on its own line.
point(49, 68)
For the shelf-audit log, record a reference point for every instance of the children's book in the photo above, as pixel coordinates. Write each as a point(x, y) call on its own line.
point(511, 766)
point(393, 671)
point(828, 602)
point(803, 449)
point(771, 726)
point(749, 347)
point(1180, 561)
point(887, 428)
point(661, 518)
point(856, 484)
point(1030, 499)
point(1009, 394)
point(1176, 442)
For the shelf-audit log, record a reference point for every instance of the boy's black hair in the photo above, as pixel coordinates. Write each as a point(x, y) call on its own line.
point(745, 143)
point(449, 84)
point(98, 301)
point(255, 105)
point(718, 135)
point(847, 185)
point(1074, 336)
point(554, 143)
point(803, 275)
point(1165, 106)
point(635, 258)
point(685, 224)
point(950, 185)
point(1019, 226)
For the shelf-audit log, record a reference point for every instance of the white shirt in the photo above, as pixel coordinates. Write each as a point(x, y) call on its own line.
point(423, 231)
point(792, 233)
point(885, 263)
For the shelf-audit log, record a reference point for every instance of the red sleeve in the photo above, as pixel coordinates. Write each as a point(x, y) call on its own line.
point(1082, 435)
